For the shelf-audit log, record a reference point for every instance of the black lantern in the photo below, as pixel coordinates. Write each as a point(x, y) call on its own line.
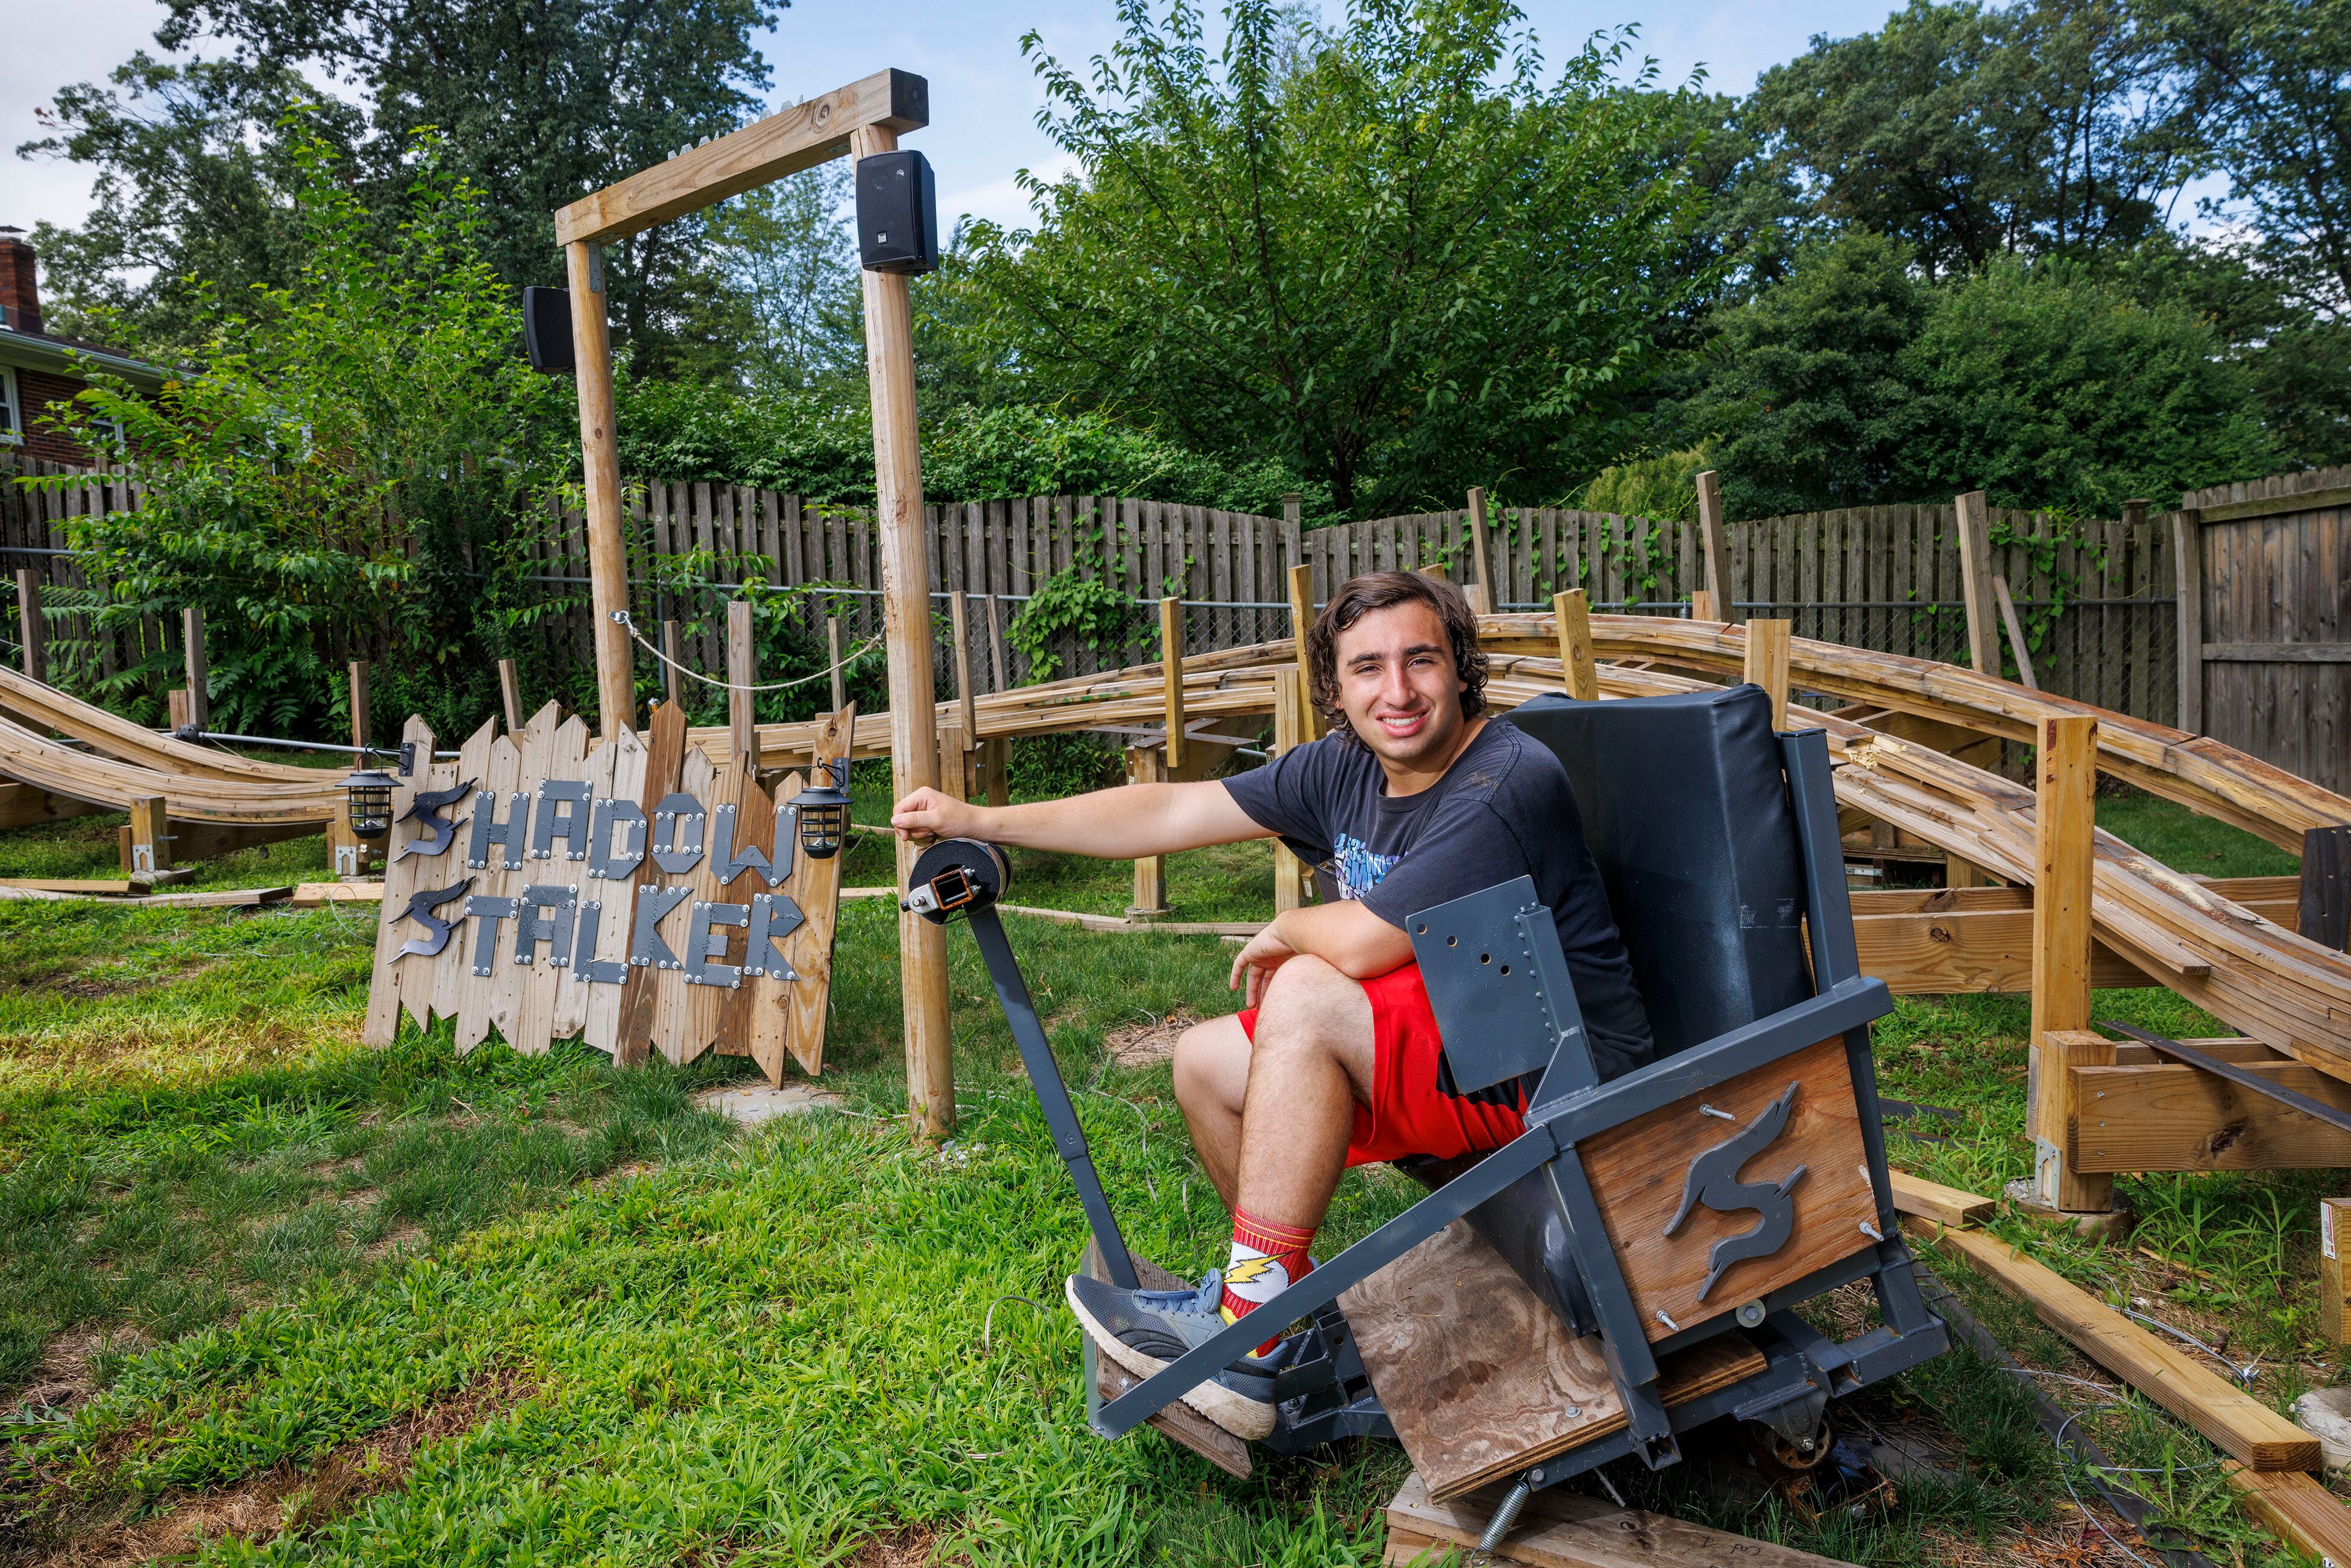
point(824, 810)
point(370, 793)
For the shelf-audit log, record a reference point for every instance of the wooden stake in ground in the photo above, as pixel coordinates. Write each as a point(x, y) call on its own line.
point(996, 663)
point(192, 645)
point(1148, 764)
point(2015, 629)
point(832, 652)
point(1714, 542)
point(670, 680)
point(742, 674)
point(1289, 871)
point(2065, 837)
point(959, 618)
point(1301, 622)
point(1701, 605)
point(1975, 580)
point(1573, 616)
point(510, 695)
point(32, 633)
point(906, 626)
point(359, 672)
point(2187, 557)
point(150, 836)
point(1767, 665)
point(1481, 557)
point(1171, 675)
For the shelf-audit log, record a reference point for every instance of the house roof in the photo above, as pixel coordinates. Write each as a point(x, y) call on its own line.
point(58, 355)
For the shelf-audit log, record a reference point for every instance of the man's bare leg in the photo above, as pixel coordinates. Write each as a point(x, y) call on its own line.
point(1310, 1066)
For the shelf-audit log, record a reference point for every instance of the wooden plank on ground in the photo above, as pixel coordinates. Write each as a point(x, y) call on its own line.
point(317, 894)
point(2231, 1419)
point(1481, 1379)
point(93, 884)
point(2299, 1509)
point(1567, 1529)
point(1932, 1200)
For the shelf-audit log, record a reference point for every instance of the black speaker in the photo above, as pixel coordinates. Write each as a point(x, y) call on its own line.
point(897, 213)
point(547, 328)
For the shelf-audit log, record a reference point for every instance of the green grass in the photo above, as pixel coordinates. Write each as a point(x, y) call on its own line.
point(411, 1306)
point(2185, 842)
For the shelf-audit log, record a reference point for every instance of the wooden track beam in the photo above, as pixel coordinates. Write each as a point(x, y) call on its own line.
point(2169, 1116)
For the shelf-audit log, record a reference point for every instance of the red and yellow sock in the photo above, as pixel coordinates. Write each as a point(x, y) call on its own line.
point(1266, 1258)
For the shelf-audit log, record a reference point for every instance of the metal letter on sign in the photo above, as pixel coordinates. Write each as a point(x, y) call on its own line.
point(584, 962)
point(605, 862)
point(532, 927)
point(488, 829)
point(774, 916)
point(562, 813)
point(440, 833)
point(676, 815)
point(1713, 1180)
point(420, 910)
point(706, 938)
point(645, 945)
point(489, 911)
point(741, 858)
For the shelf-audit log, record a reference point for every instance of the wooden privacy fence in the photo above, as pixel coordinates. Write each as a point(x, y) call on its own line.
point(2265, 620)
point(2092, 601)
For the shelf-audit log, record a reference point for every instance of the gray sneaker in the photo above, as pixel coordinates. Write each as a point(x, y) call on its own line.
point(1143, 1331)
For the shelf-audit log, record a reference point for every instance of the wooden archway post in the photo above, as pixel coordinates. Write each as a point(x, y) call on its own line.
point(860, 120)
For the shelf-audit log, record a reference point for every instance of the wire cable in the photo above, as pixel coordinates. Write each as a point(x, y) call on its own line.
point(621, 616)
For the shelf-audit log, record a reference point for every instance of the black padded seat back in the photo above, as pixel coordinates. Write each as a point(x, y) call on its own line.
point(1688, 814)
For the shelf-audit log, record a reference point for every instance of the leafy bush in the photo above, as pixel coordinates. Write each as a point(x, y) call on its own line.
point(1076, 601)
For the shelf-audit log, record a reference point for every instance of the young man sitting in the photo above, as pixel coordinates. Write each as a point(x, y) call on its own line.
point(1412, 800)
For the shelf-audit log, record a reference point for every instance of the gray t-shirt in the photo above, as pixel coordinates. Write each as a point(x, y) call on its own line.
point(1503, 810)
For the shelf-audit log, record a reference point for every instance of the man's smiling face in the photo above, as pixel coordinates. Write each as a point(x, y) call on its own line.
point(1398, 684)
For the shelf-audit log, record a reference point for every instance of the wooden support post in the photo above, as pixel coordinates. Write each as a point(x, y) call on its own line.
point(1767, 665)
point(175, 703)
point(999, 770)
point(1579, 673)
point(510, 695)
point(1289, 871)
point(742, 671)
point(906, 622)
point(1716, 543)
point(346, 852)
point(192, 645)
point(1975, 578)
point(1171, 674)
point(2065, 837)
point(2015, 629)
point(2188, 565)
point(1957, 872)
point(2324, 906)
point(359, 731)
point(998, 665)
point(1702, 605)
point(150, 836)
point(832, 653)
point(1436, 568)
point(32, 633)
point(1481, 557)
point(954, 759)
point(1148, 764)
point(607, 558)
point(1301, 622)
point(670, 680)
point(2334, 1240)
point(959, 617)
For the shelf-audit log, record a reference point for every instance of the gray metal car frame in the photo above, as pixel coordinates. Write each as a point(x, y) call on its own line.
point(1324, 1394)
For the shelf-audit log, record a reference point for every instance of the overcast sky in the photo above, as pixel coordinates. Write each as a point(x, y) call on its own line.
point(984, 98)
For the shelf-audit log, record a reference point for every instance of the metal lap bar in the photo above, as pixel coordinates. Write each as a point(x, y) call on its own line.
point(1828, 920)
point(1323, 1286)
point(1624, 1340)
point(1053, 1095)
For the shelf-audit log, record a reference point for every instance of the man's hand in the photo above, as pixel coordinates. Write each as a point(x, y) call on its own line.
point(1266, 953)
point(928, 814)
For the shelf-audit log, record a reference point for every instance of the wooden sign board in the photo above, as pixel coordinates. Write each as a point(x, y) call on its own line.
point(630, 893)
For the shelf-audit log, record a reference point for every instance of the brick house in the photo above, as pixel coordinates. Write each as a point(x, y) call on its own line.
point(36, 368)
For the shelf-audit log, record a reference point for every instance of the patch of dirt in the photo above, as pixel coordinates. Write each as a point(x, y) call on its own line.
point(1148, 1041)
point(623, 1173)
point(64, 1378)
point(401, 1235)
point(909, 1546)
point(295, 1501)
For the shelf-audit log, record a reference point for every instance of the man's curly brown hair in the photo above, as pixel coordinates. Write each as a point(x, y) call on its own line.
point(1357, 598)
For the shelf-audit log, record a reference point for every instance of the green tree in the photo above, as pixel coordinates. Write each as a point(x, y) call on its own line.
point(1805, 393)
point(785, 253)
point(357, 460)
point(1419, 260)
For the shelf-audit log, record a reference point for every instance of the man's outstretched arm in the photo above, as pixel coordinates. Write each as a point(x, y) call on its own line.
point(1128, 822)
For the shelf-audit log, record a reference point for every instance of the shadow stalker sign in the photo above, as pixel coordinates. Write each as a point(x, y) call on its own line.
point(634, 893)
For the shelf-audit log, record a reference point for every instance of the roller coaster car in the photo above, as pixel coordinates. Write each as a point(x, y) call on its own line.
point(1708, 1193)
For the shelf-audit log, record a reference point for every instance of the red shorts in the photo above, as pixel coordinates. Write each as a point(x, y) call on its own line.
point(1408, 1114)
